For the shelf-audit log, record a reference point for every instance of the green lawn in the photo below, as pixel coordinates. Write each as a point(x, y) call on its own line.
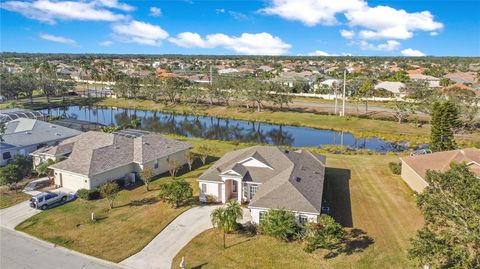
point(372, 200)
point(7, 199)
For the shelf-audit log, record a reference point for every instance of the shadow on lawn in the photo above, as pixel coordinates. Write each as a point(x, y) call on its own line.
point(200, 266)
point(336, 193)
point(355, 241)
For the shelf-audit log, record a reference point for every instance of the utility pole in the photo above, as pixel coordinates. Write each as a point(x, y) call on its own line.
point(211, 75)
point(336, 99)
point(344, 86)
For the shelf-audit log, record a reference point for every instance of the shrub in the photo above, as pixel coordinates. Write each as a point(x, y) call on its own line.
point(280, 224)
point(176, 192)
point(109, 190)
point(326, 233)
point(120, 182)
point(92, 194)
point(210, 199)
point(395, 167)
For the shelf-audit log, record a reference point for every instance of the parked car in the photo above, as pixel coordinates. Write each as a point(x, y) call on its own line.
point(45, 199)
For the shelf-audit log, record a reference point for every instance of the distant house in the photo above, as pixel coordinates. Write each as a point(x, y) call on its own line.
point(462, 77)
point(268, 177)
point(432, 81)
point(394, 87)
point(93, 158)
point(23, 136)
point(414, 168)
point(329, 82)
point(227, 71)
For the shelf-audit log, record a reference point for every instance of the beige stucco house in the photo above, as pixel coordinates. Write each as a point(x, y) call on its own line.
point(94, 158)
point(267, 177)
point(414, 168)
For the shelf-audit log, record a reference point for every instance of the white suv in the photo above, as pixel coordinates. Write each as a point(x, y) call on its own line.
point(45, 199)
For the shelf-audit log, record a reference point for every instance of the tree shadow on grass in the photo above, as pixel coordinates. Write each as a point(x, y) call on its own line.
point(356, 241)
point(144, 201)
point(200, 266)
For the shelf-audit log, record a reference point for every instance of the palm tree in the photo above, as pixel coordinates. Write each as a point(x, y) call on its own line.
point(225, 218)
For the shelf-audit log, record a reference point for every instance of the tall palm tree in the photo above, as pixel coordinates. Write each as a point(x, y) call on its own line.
point(225, 218)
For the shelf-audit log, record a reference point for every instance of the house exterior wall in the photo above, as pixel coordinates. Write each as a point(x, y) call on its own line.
point(163, 163)
point(413, 180)
point(255, 213)
point(117, 173)
point(71, 181)
point(212, 188)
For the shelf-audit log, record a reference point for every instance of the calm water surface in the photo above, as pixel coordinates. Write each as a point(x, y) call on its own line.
point(224, 129)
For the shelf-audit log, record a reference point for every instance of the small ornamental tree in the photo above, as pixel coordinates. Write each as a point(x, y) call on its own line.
point(225, 218)
point(190, 158)
point(109, 191)
point(176, 192)
point(204, 151)
point(44, 170)
point(10, 176)
point(146, 175)
point(450, 204)
point(173, 166)
point(280, 224)
point(326, 234)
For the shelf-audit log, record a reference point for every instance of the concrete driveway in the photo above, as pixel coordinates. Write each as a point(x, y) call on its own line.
point(14, 215)
point(159, 253)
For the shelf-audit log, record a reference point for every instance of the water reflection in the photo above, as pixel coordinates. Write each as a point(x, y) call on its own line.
point(224, 129)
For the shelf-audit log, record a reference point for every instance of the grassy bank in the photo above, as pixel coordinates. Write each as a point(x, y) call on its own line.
point(9, 198)
point(362, 193)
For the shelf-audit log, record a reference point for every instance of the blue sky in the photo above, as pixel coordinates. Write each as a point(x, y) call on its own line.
point(274, 27)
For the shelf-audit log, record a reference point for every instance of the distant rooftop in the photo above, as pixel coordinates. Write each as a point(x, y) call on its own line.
point(10, 114)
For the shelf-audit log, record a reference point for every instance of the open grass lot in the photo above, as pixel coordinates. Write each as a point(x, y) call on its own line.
point(362, 193)
point(9, 198)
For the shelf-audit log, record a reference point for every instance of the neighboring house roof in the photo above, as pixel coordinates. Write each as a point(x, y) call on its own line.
point(24, 132)
point(291, 180)
point(461, 77)
point(330, 82)
point(440, 161)
point(422, 77)
point(391, 86)
point(96, 152)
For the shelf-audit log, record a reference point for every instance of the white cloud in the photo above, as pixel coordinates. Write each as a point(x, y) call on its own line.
point(155, 12)
point(50, 11)
point(58, 39)
point(347, 34)
point(389, 45)
point(252, 44)
point(139, 32)
point(105, 43)
point(321, 53)
point(311, 12)
point(220, 10)
point(384, 22)
point(433, 33)
point(412, 52)
point(238, 15)
point(379, 22)
point(115, 4)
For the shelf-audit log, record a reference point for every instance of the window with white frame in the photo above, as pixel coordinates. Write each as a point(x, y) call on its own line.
point(204, 188)
point(155, 164)
point(261, 216)
point(253, 190)
point(302, 219)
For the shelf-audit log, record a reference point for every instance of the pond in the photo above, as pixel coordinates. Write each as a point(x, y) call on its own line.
point(224, 129)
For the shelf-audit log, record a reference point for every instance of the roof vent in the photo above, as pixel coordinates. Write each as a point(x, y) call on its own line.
point(28, 133)
point(58, 134)
point(298, 179)
point(145, 143)
point(53, 126)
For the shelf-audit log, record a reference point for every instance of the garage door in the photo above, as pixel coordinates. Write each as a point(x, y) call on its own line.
point(73, 182)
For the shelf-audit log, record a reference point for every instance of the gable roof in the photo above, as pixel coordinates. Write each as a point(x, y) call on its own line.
point(94, 152)
point(440, 161)
point(24, 132)
point(294, 181)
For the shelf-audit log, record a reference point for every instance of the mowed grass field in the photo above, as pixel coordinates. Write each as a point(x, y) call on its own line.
point(362, 194)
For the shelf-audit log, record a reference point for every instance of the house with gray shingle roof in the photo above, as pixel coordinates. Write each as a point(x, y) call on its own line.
point(94, 158)
point(23, 136)
point(268, 177)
